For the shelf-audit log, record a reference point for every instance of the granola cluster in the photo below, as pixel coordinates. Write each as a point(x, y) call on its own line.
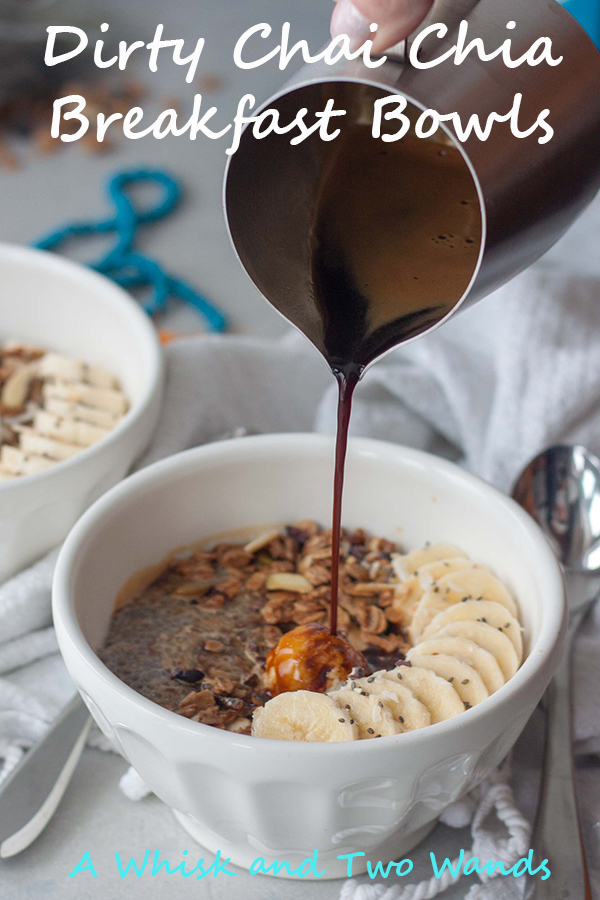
point(366, 613)
point(197, 638)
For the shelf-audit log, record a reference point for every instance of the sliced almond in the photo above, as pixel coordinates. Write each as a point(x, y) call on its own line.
point(63, 368)
point(288, 581)
point(16, 387)
point(15, 462)
point(69, 430)
point(78, 392)
point(368, 588)
point(66, 368)
point(238, 725)
point(99, 377)
point(306, 562)
point(78, 412)
point(34, 444)
point(261, 541)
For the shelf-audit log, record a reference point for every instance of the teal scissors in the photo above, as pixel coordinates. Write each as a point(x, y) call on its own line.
point(123, 263)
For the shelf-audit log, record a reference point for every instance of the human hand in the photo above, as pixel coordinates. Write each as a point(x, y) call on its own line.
point(396, 19)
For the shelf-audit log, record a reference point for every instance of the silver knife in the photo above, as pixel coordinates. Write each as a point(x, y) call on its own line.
point(32, 792)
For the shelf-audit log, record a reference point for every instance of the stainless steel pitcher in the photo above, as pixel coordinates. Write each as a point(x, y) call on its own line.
point(528, 193)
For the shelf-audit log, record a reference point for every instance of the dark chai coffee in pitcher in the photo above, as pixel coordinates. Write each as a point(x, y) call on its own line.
point(390, 257)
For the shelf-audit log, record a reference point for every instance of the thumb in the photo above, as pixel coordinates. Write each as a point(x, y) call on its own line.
point(396, 20)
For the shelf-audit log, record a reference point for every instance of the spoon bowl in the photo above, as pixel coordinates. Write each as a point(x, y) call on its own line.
point(560, 489)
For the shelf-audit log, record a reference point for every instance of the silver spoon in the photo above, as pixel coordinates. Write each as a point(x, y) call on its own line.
point(560, 489)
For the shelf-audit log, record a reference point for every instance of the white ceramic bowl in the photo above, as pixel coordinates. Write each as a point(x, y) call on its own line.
point(250, 797)
point(63, 306)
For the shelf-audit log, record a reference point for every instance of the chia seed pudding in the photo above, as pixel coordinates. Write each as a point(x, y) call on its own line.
point(196, 639)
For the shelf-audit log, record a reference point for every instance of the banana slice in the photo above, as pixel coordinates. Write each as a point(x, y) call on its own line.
point(303, 716)
point(466, 681)
point(434, 692)
point(429, 573)
point(477, 584)
point(429, 606)
point(368, 711)
point(488, 638)
point(406, 598)
point(485, 611)
point(467, 651)
point(406, 565)
point(400, 700)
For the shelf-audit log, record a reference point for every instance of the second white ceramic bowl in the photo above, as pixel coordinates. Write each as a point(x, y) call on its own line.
point(250, 797)
point(59, 305)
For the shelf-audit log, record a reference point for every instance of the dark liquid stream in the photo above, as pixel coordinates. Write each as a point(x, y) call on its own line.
point(347, 380)
point(395, 240)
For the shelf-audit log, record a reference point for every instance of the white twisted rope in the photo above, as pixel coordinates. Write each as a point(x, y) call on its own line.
point(500, 798)
point(494, 794)
point(132, 785)
point(12, 754)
